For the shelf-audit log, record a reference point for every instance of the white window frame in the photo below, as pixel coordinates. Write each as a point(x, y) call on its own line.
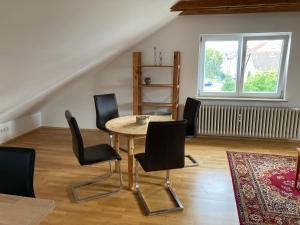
point(242, 40)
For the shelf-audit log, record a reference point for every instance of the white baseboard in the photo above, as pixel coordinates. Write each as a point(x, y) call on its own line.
point(15, 128)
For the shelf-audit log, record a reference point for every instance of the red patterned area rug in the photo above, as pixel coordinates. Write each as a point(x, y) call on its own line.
point(264, 188)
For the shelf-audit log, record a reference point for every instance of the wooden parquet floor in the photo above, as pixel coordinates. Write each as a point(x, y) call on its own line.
point(206, 191)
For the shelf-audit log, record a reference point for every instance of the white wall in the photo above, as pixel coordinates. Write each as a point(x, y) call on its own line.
point(45, 44)
point(181, 34)
point(15, 128)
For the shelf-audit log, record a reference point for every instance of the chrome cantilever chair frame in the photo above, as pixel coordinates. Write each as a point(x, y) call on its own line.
point(81, 184)
point(148, 212)
point(111, 142)
point(194, 162)
point(191, 113)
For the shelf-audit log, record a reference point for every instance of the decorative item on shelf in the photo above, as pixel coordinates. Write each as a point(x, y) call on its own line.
point(142, 119)
point(160, 58)
point(155, 56)
point(147, 80)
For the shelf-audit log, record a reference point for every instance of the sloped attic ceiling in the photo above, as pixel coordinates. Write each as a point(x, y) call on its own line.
point(45, 44)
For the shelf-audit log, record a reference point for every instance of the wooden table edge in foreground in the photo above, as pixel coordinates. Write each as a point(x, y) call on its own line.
point(18, 210)
point(130, 138)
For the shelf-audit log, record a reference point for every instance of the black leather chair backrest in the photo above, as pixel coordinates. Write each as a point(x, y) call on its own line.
point(191, 114)
point(106, 109)
point(17, 171)
point(77, 142)
point(165, 142)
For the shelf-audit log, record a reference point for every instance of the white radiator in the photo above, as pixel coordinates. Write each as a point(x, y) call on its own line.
point(249, 121)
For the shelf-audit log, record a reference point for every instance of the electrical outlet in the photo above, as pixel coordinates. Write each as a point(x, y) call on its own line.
point(4, 133)
point(4, 130)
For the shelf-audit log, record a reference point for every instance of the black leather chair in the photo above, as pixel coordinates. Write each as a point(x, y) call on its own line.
point(106, 109)
point(191, 114)
point(164, 150)
point(91, 155)
point(17, 171)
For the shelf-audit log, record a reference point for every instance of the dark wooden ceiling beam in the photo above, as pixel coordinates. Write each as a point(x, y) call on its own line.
point(235, 10)
point(199, 4)
point(199, 7)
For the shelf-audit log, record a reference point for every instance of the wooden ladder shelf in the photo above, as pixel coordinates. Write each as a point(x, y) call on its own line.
point(138, 86)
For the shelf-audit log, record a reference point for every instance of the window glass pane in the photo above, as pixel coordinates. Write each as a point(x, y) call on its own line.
point(262, 66)
point(220, 66)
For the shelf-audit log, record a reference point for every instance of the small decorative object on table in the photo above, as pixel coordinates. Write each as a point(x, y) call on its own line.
point(142, 119)
point(147, 80)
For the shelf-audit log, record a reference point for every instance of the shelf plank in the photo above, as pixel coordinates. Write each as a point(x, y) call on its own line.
point(157, 85)
point(156, 104)
point(168, 66)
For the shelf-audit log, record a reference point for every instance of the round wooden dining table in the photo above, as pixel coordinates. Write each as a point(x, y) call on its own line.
point(127, 126)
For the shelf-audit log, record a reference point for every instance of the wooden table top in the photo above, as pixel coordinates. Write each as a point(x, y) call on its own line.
point(17, 210)
point(126, 125)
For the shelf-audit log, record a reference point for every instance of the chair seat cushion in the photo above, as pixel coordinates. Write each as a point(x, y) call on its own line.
point(99, 153)
point(155, 167)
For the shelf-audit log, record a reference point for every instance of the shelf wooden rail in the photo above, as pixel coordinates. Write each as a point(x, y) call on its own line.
point(157, 85)
point(158, 104)
point(158, 66)
point(138, 86)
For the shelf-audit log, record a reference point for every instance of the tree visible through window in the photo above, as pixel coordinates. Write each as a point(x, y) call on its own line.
point(213, 62)
point(220, 66)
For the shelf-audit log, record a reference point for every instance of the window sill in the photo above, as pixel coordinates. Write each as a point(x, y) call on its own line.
point(244, 99)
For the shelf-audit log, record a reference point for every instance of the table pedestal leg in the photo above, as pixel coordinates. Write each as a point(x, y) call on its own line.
point(130, 162)
point(117, 148)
